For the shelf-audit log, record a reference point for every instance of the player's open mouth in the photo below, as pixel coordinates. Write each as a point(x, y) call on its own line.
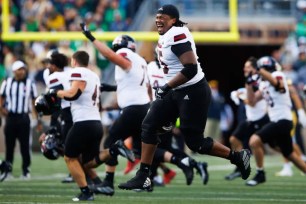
point(159, 25)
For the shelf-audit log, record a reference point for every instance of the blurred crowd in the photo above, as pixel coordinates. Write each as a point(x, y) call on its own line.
point(61, 15)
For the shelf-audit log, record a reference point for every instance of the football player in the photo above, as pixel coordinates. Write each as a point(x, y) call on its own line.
point(133, 100)
point(156, 79)
point(256, 115)
point(274, 89)
point(84, 138)
point(185, 95)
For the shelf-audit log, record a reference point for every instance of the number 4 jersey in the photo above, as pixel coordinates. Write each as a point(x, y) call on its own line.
point(86, 106)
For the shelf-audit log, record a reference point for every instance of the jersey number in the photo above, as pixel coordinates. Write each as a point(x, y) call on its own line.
point(94, 96)
point(165, 67)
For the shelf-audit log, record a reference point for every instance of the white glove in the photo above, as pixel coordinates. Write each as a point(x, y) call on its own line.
point(302, 117)
point(235, 98)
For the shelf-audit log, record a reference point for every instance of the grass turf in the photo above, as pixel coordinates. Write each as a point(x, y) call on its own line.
point(45, 185)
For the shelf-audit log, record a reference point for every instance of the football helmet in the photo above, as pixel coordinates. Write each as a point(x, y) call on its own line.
point(52, 146)
point(45, 105)
point(268, 63)
point(124, 41)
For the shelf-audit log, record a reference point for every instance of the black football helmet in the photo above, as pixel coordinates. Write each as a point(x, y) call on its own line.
point(52, 146)
point(45, 105)
point(268, 63)
point(122, 41)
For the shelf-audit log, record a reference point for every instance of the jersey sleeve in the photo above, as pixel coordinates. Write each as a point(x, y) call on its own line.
point(77, 75)
point(177, 35)
point(278, 75)
point(53, 80)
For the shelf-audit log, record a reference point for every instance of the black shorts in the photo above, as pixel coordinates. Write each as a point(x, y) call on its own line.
point(84, 139)
point(128, 124)
point(277, 134)
point(245, 129)
point(190, 104)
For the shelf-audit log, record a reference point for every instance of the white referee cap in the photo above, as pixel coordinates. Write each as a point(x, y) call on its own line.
point(17, 65)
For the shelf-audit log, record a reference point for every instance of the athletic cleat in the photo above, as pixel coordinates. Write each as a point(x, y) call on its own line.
point(201, 168)
point(138, 183)
point(124, 151)
point(169, 176)
point(105, 188)
point(84, 197)
point(285, 172)
point(5, 169)
point(26, 176)
point(258, 178)
point(130, 166)
point(68, 179)
point(235, 174)
point(242, 161)
point(187, 169)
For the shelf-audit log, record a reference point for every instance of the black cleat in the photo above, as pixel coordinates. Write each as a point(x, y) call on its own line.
point(124, 151)
point(105, 188)
point(5, 168)
point(201, 168)
point(242, 161)
point(235, 174)
point(260, 177)
point(140, 182)
point(84, 197)
point(185, 165)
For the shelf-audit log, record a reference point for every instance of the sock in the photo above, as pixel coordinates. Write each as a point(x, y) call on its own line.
point(145, 168)
point(110, 176)
point(97, 180)
point(259, 169)
point(85, 190)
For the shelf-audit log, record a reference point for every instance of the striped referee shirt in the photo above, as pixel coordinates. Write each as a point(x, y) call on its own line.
point(18, 95)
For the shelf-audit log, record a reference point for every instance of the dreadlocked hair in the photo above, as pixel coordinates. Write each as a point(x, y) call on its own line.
point(179, 23)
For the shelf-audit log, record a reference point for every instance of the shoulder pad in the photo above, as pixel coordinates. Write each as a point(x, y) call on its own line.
point(177, 35)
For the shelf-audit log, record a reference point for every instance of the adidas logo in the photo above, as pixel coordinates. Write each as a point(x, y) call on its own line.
point(185, 161)
point(186, 97)
point(246, 160)
point(147, 183)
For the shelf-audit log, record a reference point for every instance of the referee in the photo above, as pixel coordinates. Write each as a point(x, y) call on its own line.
point(17, 96)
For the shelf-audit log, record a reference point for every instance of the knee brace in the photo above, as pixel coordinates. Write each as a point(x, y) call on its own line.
point(112, 162)
point(197, 143)
point(149, 134)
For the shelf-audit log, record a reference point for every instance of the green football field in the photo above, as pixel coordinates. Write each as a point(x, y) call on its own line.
point(45, 186)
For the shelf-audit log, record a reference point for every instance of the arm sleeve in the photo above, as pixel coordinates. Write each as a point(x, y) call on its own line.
point(181, 48)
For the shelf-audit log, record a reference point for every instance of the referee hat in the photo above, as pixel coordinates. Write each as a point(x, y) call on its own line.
point(17, 65)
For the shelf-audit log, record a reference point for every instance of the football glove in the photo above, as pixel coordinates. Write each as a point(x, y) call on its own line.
point(86, 32)
point(161, 92)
